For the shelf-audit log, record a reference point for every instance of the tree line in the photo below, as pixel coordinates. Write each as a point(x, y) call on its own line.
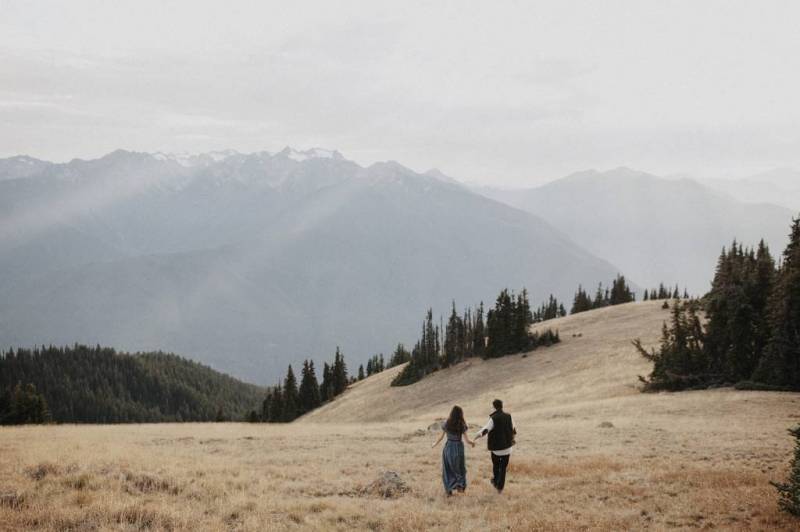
point(662, 292)
point(82, 384)
point(21, 405)
point(503, 331)
point(289, 400)
point(750, 337)
point(617, 294)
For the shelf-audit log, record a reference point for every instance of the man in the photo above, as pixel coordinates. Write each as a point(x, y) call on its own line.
point(501, 431)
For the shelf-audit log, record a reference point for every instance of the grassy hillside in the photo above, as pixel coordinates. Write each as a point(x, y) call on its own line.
point(592, 454)
point(595, 361)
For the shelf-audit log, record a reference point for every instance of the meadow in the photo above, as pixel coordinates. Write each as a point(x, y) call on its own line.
point(593, 453)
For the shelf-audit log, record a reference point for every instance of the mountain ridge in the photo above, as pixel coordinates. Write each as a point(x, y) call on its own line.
point(256, 261)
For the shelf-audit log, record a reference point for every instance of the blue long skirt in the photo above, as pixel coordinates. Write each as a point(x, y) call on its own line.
point(454, 469)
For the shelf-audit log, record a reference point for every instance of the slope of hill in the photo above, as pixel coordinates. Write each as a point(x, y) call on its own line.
point(98, 385)
point(250, 262)
point(780, 186)
point(655, 229)
point(600, 364)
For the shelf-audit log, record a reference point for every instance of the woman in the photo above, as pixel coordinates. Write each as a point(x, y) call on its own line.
point(454, 470)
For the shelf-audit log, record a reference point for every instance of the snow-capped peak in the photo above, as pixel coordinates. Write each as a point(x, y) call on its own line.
point(313, 153)
point(189, 160)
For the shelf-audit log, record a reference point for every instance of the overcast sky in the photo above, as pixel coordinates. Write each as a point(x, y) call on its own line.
point(498, 92)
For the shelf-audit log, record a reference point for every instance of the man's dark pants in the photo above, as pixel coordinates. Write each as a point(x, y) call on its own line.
point(499, 465)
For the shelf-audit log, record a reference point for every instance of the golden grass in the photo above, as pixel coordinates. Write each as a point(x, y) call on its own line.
point(694, 460)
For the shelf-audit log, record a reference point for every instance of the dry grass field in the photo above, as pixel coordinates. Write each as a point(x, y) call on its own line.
point(667, 461)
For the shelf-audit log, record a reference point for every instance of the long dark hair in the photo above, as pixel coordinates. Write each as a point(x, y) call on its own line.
point(455, 423)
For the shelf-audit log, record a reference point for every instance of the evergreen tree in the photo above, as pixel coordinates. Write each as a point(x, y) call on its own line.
point(501, 326)
point(680, 362)
point(453, 339)
point(736, 308)
point(781, 363)
point(400, 356)
point(478, 333)
point(600, 297)
point(549, 310)
point(789, 491)
point(361, 371)
point(23, 405)
point(276, 405)
point(425, 357)
point(339, 373)
point(620, 292)
point(309, 396)
point(326, 390)
point(291, 403)
point(582, 302)
point(265, 407)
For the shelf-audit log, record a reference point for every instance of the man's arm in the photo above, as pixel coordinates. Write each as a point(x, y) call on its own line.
point(485, 430)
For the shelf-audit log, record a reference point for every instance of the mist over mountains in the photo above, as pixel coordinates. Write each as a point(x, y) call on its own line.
point(780, 186)
point(248, 262)
point(654, 229)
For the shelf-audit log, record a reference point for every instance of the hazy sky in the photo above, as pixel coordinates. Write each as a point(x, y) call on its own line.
point(497, 92)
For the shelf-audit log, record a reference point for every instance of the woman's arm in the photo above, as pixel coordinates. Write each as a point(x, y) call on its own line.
point(466, 437)
point(441, 435)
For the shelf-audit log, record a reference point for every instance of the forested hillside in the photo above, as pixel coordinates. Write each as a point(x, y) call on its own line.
point(84, 384)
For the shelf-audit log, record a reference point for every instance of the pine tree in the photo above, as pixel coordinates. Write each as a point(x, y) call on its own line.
point(276, 405)
point(265, 407)
point(789, 491)
point(400, 356)
point(479, 333)
point(339, 373)
point(620, 292)
point(738, 330)
point(453, 339)
point(780, 365)
point(582, 302)
point(291, 406)
point(600, 297)
point(309, 396)
point(361, 371)
point(680, 361)
point(23, 405)
point(326, 390)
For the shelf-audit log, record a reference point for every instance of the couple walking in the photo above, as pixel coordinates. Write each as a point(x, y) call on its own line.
point(500, 430)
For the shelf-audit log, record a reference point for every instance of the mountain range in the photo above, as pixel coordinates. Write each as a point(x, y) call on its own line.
point(780, 186)
point(249, 262)
point(654, 229)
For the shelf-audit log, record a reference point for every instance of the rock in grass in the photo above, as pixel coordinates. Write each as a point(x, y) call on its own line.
point(606, 425)
point(389, 486)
